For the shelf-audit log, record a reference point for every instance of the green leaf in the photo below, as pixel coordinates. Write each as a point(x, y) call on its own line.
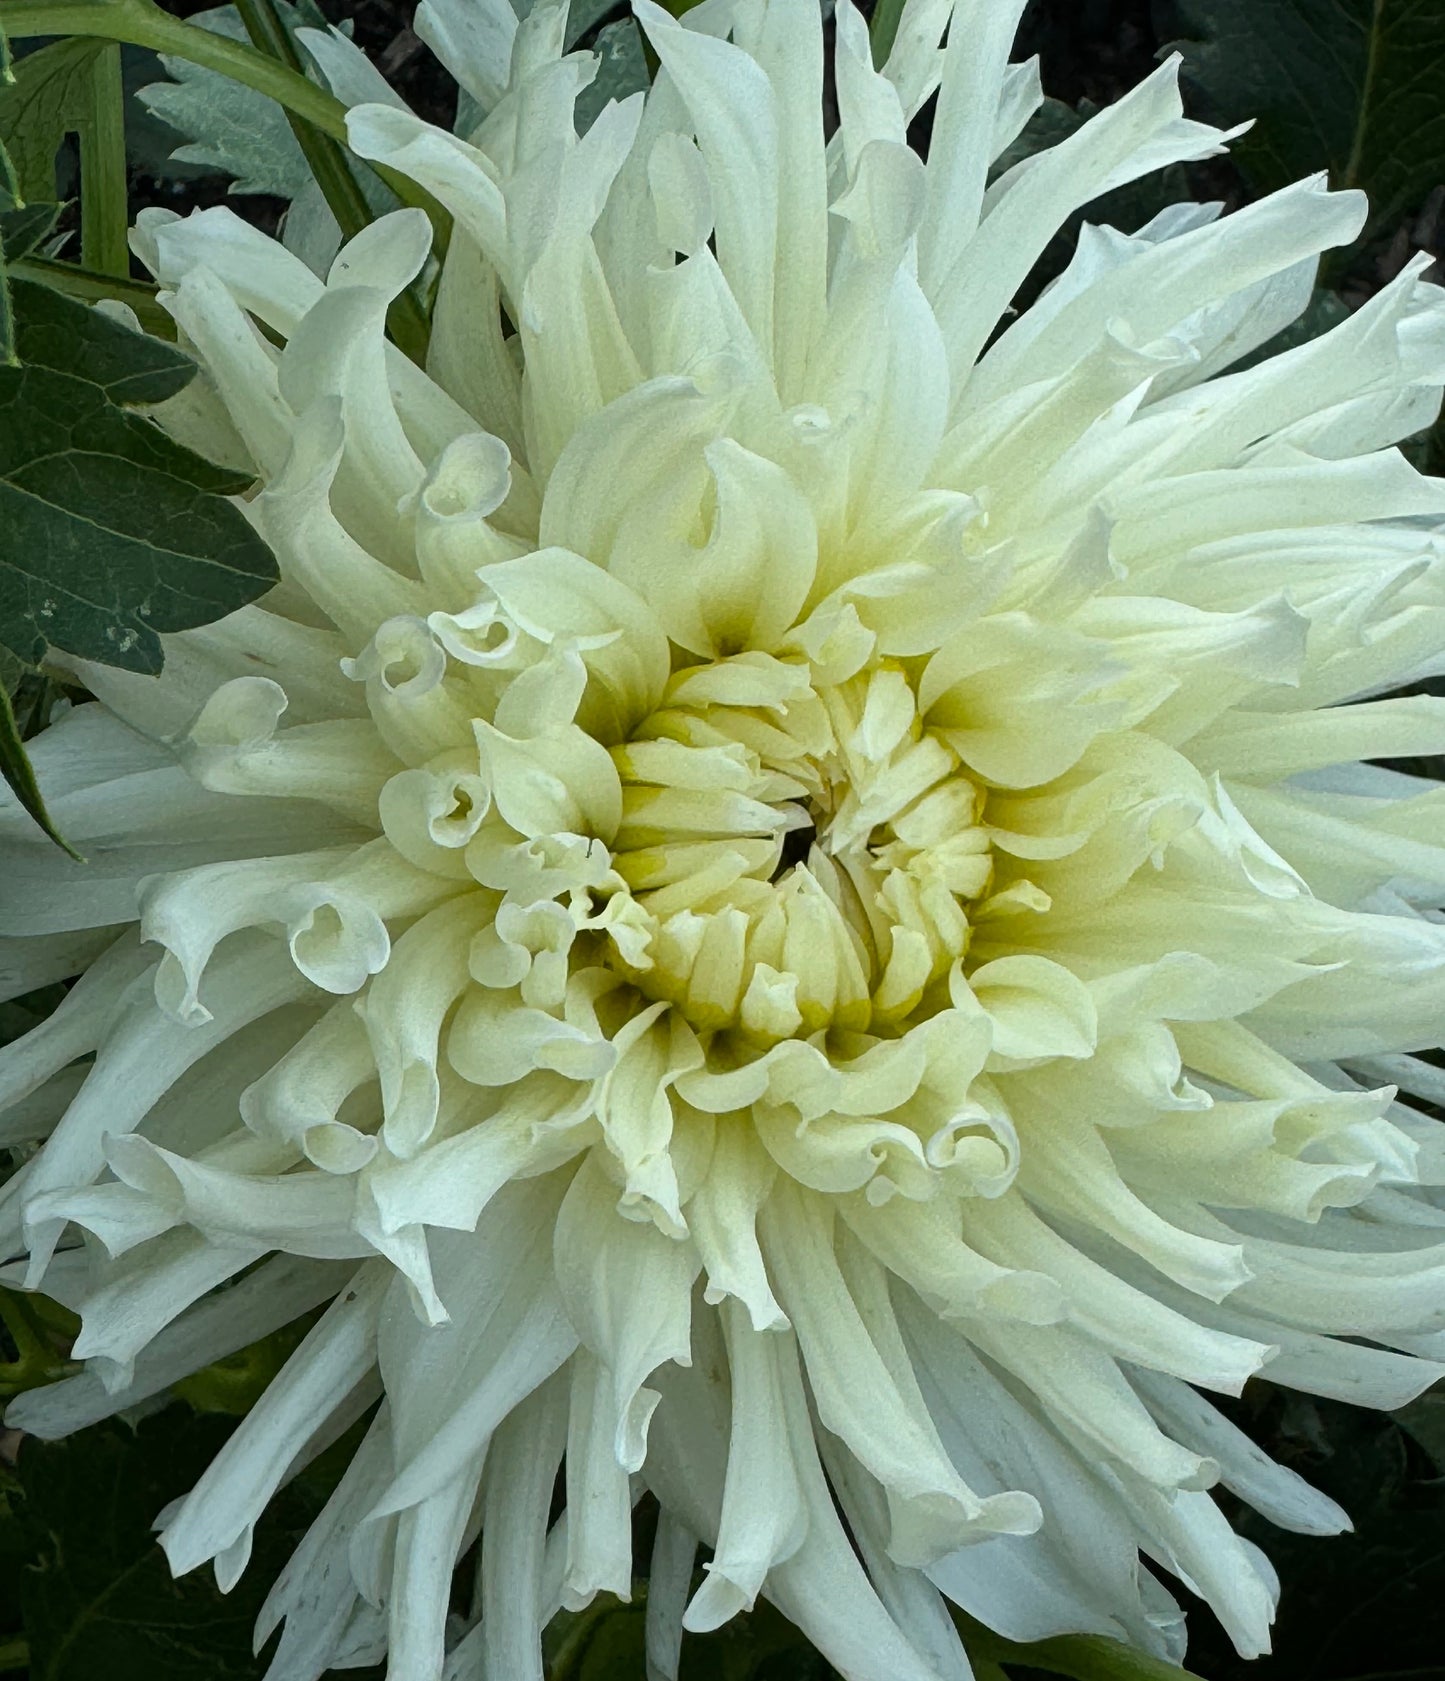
point(1050, 125)
point(56, 332)
point(1091, 1657)
point(883, 29)
point(53, 96)
point(1325, 310)
point(77, 282)
point(17, 770)
point(22, 230)
point(1354, 1606)
point(96, 1594)
point(228, 127)
point(109, 532)
point(1084, 1657)
point(622, 71)
point(73, 87)
point(9, 180)
point(583, 15)
point(1425, 1420)
point(7, 313)
point(1353, 86)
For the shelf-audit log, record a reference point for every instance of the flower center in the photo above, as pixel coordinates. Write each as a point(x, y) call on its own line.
point(792, 855)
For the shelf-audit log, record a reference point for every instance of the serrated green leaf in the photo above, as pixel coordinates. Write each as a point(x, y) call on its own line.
point(227, 127)
point(109, 532)
point(622, 71)
point(1353, 86)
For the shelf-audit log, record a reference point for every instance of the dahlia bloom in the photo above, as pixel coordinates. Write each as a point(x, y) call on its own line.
point(781, 907)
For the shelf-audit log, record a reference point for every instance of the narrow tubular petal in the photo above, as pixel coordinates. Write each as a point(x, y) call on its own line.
point(763, 1517)
point(931, 1509)
point(334, 1358)
point(521, 1469)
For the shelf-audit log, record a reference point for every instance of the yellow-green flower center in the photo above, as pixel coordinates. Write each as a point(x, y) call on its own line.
point(796, 855)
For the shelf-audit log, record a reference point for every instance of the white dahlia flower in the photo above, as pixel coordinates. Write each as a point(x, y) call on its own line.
point(781, 908)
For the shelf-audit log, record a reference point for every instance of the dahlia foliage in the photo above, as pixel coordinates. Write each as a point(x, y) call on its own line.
point(780, 907)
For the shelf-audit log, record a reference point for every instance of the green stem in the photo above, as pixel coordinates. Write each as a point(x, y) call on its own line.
point(269, 35)
point(327, 163)
point(103, 211)
point(14, 1654)
point(141, 23)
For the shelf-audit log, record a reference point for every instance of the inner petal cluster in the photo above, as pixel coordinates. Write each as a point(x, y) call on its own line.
point(797, 855)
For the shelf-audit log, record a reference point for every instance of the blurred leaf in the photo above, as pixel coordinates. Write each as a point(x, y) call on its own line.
point(227, 127)
point(1352, 86)
point(1354, 1607)
point(74, 87)
point(622, 71)
point(1326, 309)
point(1425, 1420)
point(9, 181)
point(96, 1593)
point(1083, 1657)
point(236, 1382)
point(606, 1641)
point(7, 312)
point(22, 230)
point(40, 1341)
point(583, 15)
point(53, 95)
point(16, 768)
point(1053, 122)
